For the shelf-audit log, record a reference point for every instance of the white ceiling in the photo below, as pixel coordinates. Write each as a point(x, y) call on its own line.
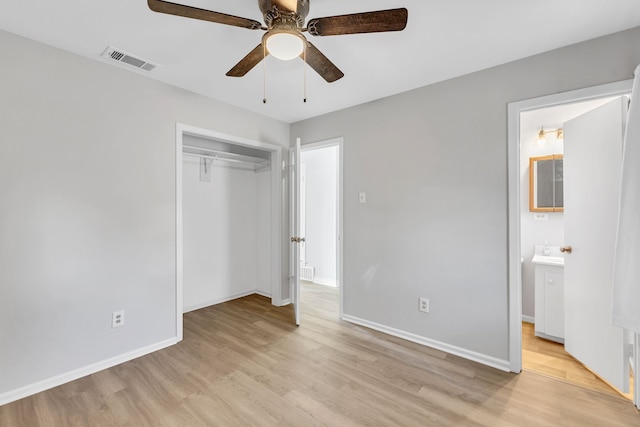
point(442, 40)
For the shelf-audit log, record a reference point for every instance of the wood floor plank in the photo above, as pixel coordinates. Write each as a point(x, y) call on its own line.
point(245, 363)
point(550, 358)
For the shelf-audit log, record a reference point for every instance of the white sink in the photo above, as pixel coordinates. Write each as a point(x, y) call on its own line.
point(548, 260)
point(555, 257)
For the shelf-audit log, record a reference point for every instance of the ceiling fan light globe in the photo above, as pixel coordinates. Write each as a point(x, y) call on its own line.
point(285, 46)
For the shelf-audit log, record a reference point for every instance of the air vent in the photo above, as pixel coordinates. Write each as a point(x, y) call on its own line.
point(119, 55)
point(306, 273)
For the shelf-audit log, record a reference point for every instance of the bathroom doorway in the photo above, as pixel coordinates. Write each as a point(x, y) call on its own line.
point(544, 230)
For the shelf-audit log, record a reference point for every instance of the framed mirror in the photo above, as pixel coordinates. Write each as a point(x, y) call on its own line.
point(546, 184)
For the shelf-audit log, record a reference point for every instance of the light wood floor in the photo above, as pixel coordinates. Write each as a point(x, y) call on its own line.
point(549, 358)
point(244, 363)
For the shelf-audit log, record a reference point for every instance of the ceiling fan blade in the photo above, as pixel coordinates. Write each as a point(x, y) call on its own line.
point(245, 65)
point(367, 22)
point(321, 64)
point(202, 14)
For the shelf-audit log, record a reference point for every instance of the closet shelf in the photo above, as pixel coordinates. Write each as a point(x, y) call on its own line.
point(223, 156)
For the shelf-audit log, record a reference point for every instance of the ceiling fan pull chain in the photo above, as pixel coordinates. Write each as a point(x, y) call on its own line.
point(304, 53)
point(264, 73)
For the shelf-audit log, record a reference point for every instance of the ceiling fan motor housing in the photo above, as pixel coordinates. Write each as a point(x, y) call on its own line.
point(285, 14)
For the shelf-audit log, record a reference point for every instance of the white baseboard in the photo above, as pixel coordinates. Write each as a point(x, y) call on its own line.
point(325, 282)
point(52, 382)
point(491, 361)
point(285, 302)
point(528, 319)
point(218, 301)
point(549, 337)
point(263, 293)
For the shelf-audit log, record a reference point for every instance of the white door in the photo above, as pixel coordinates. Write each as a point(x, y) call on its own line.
point(592, 164)
point(296, 238)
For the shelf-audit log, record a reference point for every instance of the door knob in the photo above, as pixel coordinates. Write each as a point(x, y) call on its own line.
point(566, 249)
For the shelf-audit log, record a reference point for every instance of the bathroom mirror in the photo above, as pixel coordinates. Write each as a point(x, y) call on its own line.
point(545, 184)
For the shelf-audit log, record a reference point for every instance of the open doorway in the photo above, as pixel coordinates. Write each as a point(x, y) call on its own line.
point(542, 221)
point(320, 223)
point(530, 232)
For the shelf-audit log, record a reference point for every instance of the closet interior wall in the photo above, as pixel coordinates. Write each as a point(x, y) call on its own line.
point(226, 229)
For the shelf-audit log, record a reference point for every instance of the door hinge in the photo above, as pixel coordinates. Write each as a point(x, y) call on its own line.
point(629, 350)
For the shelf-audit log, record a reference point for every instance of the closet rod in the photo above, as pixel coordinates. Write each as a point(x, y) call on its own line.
point(214, 157)
point(223, 155)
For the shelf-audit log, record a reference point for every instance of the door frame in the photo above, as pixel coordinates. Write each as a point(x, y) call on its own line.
point(339, 143)
point(276, 210)
point(303, 213)
point(513, 184)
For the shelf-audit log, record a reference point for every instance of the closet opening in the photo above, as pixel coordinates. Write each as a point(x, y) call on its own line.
point(228, 220)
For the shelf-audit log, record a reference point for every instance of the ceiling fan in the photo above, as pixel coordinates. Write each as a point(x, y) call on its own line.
point(284, 28)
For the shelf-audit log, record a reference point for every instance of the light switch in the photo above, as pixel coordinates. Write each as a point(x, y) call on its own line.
point(362, 197)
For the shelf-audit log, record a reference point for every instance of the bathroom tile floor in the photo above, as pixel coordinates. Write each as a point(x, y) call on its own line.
point(550, 359)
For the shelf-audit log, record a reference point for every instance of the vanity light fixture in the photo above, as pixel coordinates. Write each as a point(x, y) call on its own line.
point(542, 135)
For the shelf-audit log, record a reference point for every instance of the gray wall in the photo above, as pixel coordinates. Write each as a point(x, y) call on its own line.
point(433, 162)
point(87, 207)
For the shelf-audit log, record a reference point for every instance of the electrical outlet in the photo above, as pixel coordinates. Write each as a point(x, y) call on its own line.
point(423, 304)
point(117, 319)
point(540, 217)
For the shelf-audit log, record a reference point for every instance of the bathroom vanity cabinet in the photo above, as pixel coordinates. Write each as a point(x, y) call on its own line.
point(549, 298)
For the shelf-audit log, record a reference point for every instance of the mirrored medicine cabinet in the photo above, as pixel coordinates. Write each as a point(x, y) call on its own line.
point(546, 184)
